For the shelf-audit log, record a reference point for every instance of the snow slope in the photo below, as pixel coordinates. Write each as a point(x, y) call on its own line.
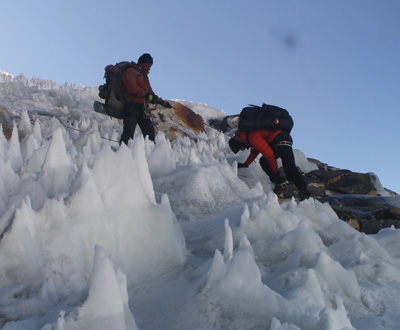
point(168, 236)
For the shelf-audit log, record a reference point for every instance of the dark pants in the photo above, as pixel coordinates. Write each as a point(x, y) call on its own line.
point(285, 153)
point(134, 114)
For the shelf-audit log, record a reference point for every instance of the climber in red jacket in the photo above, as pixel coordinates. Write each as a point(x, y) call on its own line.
point(272, 144)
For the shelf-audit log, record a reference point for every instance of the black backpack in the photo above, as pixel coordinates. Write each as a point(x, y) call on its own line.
point(112, 90)
point(267, 117)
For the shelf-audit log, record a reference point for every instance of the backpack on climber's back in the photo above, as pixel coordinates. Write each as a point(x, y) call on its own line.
point(112, 90)
point(267, 117)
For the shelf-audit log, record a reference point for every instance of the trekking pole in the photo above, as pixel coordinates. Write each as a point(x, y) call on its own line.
point(150, 115)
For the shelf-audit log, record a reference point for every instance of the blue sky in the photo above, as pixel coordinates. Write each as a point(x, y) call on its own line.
point(333, 64)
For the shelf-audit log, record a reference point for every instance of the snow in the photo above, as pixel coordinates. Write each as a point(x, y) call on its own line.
point(204, 110)
point(168, 235)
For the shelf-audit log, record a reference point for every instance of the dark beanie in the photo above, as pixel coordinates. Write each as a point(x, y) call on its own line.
point(235, 145)
point(145, 58)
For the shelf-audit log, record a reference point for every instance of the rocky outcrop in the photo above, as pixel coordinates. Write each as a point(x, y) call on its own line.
point(357, 198)
point(178, 120)
point(367, 214)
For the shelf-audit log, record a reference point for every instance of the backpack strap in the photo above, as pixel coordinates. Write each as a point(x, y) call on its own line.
point(137, 68)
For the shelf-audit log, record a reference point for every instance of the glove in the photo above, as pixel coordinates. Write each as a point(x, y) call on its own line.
point(241, 165)
point(165, 104)
point(151, 98)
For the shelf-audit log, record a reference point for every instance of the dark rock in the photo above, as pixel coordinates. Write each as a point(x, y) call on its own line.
point(226, 124)
point(353, 196)
point(367, 214)
point(352, 183)
point(343, 182)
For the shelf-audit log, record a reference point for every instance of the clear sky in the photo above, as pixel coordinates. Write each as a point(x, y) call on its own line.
point(335, 65)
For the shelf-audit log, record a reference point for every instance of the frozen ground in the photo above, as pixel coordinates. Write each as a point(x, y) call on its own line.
point(168, 236)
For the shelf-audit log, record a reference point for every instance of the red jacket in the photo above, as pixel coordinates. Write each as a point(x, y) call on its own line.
point(260, 141)
point(136, 85)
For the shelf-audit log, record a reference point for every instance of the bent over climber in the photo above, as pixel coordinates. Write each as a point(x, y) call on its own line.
point(138, 93)
point(272, 144)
